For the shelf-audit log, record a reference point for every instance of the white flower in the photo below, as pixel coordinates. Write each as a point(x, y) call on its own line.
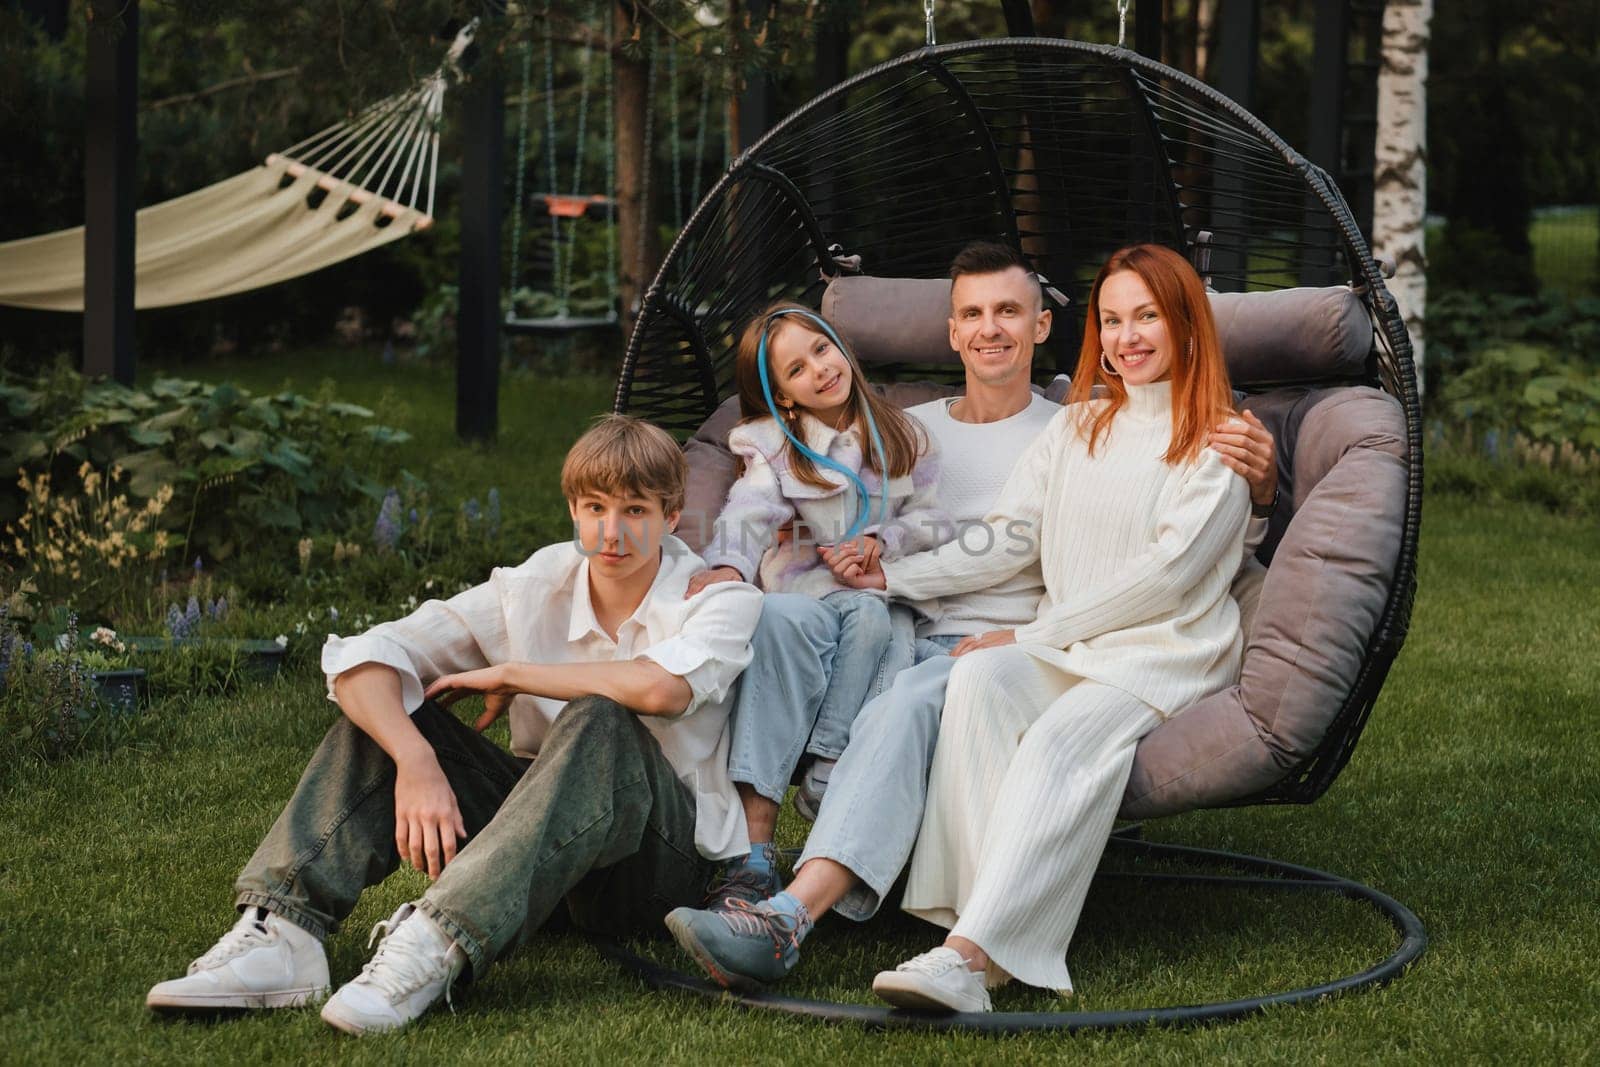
point(428, 584)
point(104, 635)
point(282, 640)
point(300, 628)
point(411, 601)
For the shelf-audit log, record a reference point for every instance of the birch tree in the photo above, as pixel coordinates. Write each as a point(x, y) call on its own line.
point(1400, 194)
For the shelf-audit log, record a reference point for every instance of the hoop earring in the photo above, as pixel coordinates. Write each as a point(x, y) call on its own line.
point(1105, 365)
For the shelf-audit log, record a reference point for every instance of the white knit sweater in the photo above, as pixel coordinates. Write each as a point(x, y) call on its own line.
point(1137, 554)
point(975, 460)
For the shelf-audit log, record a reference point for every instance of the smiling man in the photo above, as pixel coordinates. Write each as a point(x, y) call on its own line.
point(876, 793)
point(618, 684)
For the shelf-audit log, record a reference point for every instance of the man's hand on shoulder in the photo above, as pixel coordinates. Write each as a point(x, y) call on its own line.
point(1247, 447)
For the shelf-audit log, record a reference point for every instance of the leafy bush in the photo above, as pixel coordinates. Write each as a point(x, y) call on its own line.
point(1527, 390)
point(1461, 324)
point(243, 470)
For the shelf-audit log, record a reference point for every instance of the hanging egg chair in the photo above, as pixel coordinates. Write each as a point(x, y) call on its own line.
point(1068, 151)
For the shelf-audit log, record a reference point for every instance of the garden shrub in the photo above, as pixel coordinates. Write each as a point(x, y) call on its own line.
point(261, 471)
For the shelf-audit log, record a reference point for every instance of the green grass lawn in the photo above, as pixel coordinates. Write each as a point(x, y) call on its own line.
point(1474, 798)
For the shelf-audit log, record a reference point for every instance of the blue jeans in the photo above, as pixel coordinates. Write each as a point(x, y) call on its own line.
point(873, 808)
point(816, 663)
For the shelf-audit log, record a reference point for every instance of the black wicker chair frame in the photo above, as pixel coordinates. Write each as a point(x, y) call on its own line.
point(1068, 151)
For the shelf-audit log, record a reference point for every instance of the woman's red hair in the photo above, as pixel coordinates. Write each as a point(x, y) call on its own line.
point(1201, 396)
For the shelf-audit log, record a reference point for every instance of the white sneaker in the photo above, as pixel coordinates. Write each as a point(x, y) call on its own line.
point(415, 964)
point(263, 962)
point(937, 980)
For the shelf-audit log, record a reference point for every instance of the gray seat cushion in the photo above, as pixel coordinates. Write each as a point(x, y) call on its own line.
point(1289, 335)
point(1319, 606)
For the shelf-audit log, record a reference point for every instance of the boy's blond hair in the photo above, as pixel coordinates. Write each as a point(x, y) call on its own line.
point(624, 456)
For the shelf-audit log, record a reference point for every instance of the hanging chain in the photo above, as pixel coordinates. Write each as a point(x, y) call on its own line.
point(1122, 23)
point(550, 146)
point(522, 160)
point(927, 13)
point(587, 63)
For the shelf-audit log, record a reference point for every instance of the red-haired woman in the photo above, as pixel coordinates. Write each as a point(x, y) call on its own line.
point(1140, 529)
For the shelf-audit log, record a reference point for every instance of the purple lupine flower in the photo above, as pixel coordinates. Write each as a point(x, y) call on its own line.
point(176, 628)
point(492, 519)
point(191, 617)
point(8, 642)
point(198, 570)
point(72, 632)
point(386, 531)
point(221, 606)
point(473, 511)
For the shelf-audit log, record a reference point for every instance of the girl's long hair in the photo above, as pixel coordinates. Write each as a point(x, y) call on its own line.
point(1201, 396)
point(904, 440)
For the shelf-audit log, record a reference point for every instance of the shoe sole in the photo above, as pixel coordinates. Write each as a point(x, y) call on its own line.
point(689, 941)
point(804, 808)
point(283, 998)
point(345, 1026)
point(902, 994)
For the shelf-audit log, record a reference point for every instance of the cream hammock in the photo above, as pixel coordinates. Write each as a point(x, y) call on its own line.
point(351, 188)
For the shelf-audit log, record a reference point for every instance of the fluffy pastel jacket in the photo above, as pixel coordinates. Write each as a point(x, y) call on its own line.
point(769, 494)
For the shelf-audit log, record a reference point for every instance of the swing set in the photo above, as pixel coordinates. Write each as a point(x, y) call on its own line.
point(569, 210)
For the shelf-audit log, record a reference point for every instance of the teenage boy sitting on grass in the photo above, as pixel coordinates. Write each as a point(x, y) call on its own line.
point(617, 684)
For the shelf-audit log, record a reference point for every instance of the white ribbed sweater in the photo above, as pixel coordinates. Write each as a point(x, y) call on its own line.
point(1137, 555)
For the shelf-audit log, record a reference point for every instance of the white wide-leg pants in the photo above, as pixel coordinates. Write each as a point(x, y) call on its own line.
point(1029, 773)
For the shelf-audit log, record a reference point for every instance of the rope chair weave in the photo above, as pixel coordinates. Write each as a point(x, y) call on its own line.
point(1064, 149)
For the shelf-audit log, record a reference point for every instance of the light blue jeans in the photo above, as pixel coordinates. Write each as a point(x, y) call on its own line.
point(873, 808)
point(816, 663)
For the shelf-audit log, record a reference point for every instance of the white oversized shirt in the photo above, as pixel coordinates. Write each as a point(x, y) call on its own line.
point(540, 612)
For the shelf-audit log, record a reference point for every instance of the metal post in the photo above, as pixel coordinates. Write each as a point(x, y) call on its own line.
point(1147, 24)
point(1239, 25)
point(483, 109)
point(1325, 123)
point(110, 157)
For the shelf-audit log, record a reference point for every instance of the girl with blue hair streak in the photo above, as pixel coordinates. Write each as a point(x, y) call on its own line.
point(852, 472)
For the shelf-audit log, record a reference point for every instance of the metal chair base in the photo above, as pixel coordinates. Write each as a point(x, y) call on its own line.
point(1267, 874)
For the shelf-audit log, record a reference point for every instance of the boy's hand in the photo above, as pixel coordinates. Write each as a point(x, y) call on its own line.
point(992, 639)
point(493, 682)
point(427, 820)
point(699, 581)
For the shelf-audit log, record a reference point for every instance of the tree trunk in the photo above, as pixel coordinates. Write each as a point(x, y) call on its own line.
point(638, 246)
point(1400, 196)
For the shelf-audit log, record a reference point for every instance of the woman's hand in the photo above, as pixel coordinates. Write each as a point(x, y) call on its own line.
point(1246, 446)
point(493, 682)
point(992, 639)
point(699, 581)
point(427, 820)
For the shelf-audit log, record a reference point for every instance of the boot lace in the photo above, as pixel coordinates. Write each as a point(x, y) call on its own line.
point(753, 920)
point(404, 962)
point(236, 942)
